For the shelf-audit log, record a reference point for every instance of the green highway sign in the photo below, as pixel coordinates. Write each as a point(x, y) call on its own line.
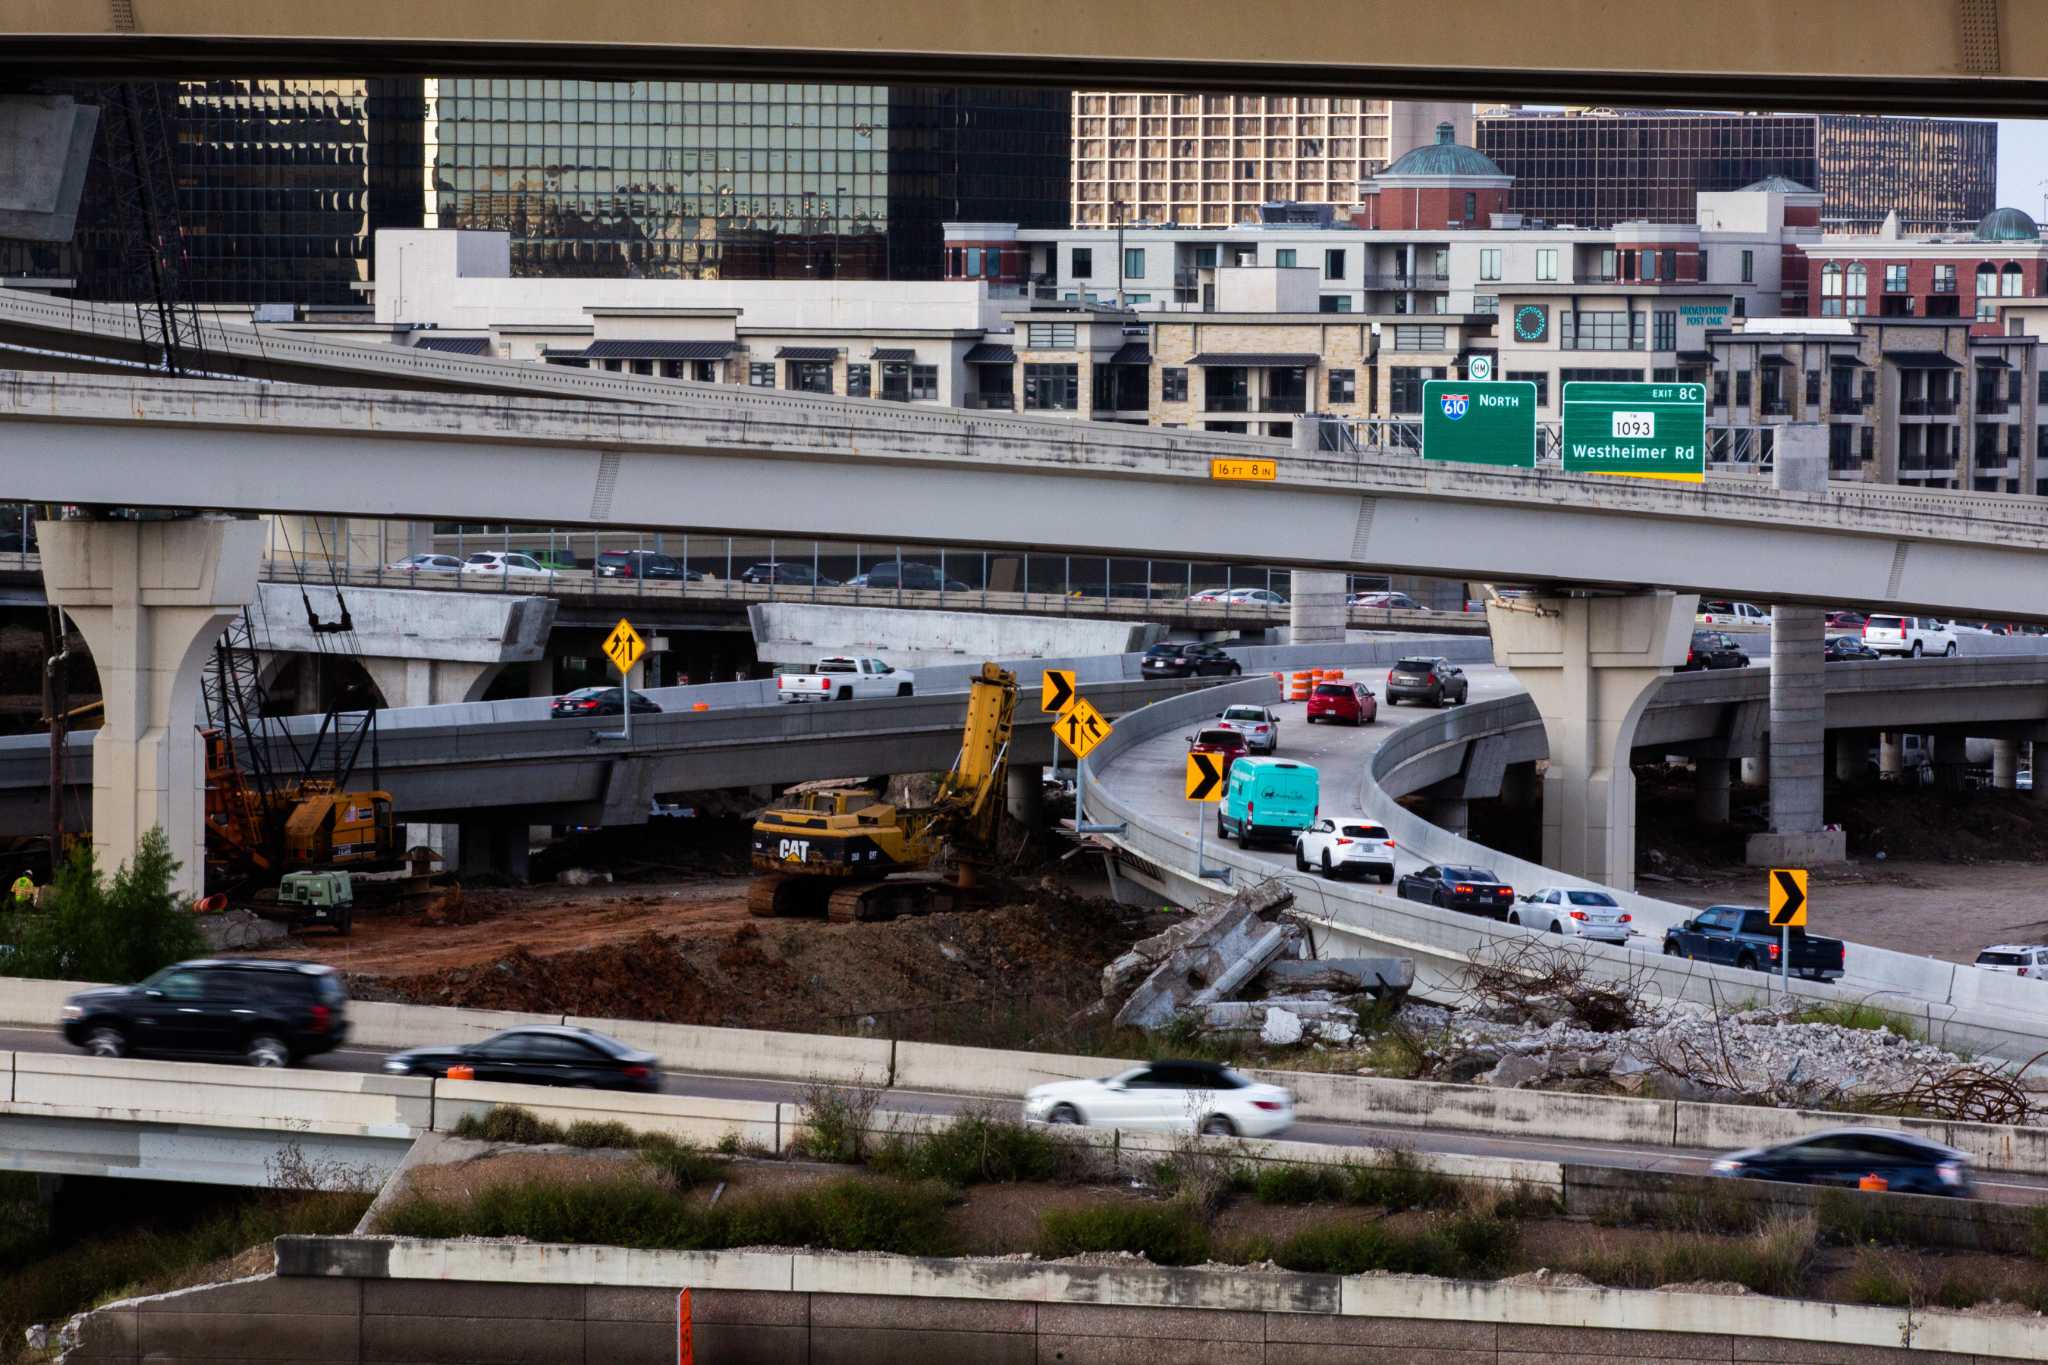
point(1479, 421)
point(1646, 431)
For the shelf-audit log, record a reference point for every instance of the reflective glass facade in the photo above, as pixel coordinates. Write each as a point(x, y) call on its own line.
point(1938, 174)
point(738, 180)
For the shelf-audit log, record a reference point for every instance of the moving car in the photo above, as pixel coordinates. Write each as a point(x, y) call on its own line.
point(1229, 743)
point(1252, 597)
point(506, 563)
point(648, 564)
point(1909, 636)
point(1843, 619)
point(907, 574)
point(1268, 798)
point(843, 678)
point(539, 1054)
point(1474, 889)
point(2017, 959)
point(787, 571)
point(1847, 649)
point(1259, 726)
point(1717, 613)
point(1573, 910)
point(1742, 936)
point(425, 564)
point(1341, 847)
point(599, 701)
point(1435, 680)
point(1712, 649)
point(1845, 1157)
point(269, 1013)
point(1349, 702)
point(1188, 661)
point(1167, 1097)
point(1390, 601)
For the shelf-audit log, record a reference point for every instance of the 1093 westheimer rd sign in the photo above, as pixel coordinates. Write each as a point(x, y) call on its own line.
point(1645, 431)
point(1480, 421)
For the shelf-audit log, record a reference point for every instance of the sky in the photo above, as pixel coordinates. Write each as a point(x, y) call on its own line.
point(2023, 164)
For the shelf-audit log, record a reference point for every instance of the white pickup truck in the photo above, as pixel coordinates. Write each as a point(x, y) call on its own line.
point(842, 678)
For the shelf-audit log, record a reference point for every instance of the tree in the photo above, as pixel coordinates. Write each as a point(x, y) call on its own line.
point(95, 930)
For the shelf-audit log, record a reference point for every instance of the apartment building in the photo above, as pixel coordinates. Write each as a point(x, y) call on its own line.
point(1207, 160)
point(1892, 274)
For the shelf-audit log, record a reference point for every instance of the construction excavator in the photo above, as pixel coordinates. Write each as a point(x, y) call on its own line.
point(846, 853)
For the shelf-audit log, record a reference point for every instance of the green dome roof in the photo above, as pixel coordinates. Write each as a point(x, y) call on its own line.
point(2007, 225)
point(1444, 157)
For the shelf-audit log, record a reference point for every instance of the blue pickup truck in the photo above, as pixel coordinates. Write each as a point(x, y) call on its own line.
point(1742, 936)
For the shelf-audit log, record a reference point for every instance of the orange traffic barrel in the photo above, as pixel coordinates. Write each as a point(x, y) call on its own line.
point(1873, 1181)
point(1333, 675)
point(461, 1073)
point(700, 706)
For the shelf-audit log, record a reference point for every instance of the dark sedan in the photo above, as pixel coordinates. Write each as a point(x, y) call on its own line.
point(599, 701)
point(1474, 889)
point(643, 564)
point(1852, 1158)
point(1713, 649)
point(540, 1054)
point(1188, 661)
point(1847, 649)
point(787, 572)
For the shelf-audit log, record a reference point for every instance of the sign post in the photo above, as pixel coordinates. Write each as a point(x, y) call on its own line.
point(624, 648)
point(1205, 786)
point(1479, 421)
point(1081, 727)
point(1643, 431)
point(1786, 888)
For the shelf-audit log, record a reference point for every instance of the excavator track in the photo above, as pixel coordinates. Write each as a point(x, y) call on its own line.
point(775, 896)
point(885, 900)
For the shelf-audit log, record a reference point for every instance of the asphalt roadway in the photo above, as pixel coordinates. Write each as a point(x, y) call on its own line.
point(2003, 1187)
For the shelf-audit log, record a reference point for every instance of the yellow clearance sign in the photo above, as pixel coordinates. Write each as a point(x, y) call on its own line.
point(624, 646)
point(1254, 471)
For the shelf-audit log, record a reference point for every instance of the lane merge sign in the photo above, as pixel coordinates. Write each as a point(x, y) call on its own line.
point(1480, 421)
point(1081, 727)
point(1056, 691)
point(1205, 777)
point(1643, 431)
point(1787, 887)
point(624, 646)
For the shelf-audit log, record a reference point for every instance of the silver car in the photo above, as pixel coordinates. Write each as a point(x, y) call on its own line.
point(1575, 910)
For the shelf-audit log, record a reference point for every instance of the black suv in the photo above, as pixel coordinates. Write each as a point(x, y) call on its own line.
point(787, 571)
point(643, 564)
point(1713, 649)
point(270, 1013)
point(911, 576)
point(1188, 661)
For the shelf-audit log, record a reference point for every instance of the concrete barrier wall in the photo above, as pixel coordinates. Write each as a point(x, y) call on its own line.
point(25, 1001)
point(132, 1091)
point(691, 1118)
point(373, 1023)
point(751, 1052)
point(982, 1071)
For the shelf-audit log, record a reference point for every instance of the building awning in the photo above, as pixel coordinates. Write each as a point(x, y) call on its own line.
point(1851, 360)
point(454, 345)
point(807, 353)
point(1695, 357)
point(1772, 358)
point(653, 350)
point(988, 353)
point(1921, 360)
point(1131, 353)
point(1257, 360)
point(894, 353)
point(1993, 362)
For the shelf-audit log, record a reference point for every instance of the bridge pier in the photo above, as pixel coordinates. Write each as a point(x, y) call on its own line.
point(1590, 664)
point(429, 682)
point(1951, 758)
point(1852, 753)
point(493, 847)
point(1025, 794)
point(1710, 786)
point(1315, 607)
point(2005, 764)
point(151, 598)
point(1891, 755)
point(1798, 734)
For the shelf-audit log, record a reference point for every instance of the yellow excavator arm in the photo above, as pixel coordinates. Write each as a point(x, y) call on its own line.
point(969, 803)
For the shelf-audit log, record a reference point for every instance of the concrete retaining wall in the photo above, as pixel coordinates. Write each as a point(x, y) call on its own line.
point(692, 1118)
point(376, 1299)
point(753, 1052)
point(132, 1091)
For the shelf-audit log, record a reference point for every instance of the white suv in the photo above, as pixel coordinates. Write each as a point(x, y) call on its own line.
point(2018, 959)
point(1725, 614)
point(1337, 848)
point(1909, 635)
point(509, 563)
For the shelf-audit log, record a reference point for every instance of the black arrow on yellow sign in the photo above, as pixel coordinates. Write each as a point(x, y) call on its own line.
point(1056, 691)
point(1205, 777)
point(1788, 897)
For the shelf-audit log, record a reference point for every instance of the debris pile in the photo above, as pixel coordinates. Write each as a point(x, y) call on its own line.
point(237, 929)
point(1247, 946)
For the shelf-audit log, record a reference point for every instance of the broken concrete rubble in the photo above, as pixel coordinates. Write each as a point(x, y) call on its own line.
point(1318, 1020)
point(1383, 978)
point(1231, 940)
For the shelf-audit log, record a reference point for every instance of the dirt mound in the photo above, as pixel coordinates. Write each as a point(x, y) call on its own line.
point(798, 973)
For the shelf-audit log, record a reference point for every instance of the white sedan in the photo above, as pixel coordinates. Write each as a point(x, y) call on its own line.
point(510, 564)
point(1167, 1097)
point(1341, 847)
point(425, 563)
point(1573, 910)
point(1259, 726)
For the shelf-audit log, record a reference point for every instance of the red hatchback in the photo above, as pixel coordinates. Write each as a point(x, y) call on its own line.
point(1229, 743)
point(1349, 702)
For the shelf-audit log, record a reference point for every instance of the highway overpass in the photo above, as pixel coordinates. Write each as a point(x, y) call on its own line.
point(1963, 56)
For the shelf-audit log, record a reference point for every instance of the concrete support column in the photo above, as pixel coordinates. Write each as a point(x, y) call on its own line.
point(429, 682)
point(1519, 787)
point(1591, 664)
point(494, 847)
point(1315, 610)
point(1710, 787)
point(151, 598)
point(1756, 770)
point(1798, 730)
point(1450, 814)
point(1025, 794)
point(2005, 763)
point(1891, 755)
point(540, 677)
point(1852, 754)
point(1951, 757)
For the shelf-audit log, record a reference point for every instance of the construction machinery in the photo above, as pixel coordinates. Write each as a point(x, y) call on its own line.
point(845, 852)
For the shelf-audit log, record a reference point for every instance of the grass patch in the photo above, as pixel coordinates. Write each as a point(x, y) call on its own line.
point(48, 1284)
point(1776, 1259)
point(1472, 1245)
point(680, 1163)
point(1398, 1181)
point(1298, 1184)
point(1859, 1014)
point(1879, 1280)
point(1718, 1212)
point(1170, 1233)
point(849, 1214)
point(838, 1123)
point(980, 1146)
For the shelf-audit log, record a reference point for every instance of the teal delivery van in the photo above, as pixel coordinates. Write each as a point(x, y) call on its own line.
point(1268, 798)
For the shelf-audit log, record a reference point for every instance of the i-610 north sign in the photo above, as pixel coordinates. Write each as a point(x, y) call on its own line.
point(1649, 431)
point(1479, 421)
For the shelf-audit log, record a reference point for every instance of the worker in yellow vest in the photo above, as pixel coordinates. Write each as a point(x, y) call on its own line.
point(24, 891)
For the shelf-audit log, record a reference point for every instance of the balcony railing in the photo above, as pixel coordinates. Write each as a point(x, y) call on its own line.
point(1927, 407)
point(1775, 407)
point(1993, 407)
point(1284, 403)
point(987, 402)
point(1226, 403)
point(1404, 281)
point(1844, 405)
